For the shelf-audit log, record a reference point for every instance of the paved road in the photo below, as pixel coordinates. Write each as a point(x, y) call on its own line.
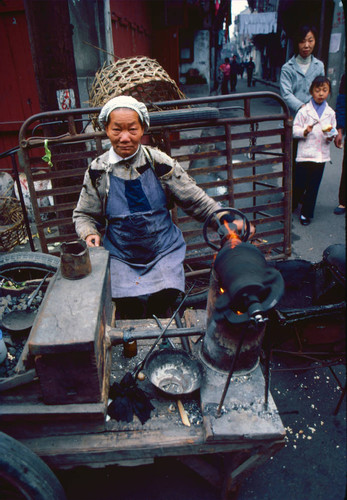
point(312, 464)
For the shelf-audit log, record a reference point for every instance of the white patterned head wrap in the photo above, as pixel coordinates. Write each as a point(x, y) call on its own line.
point(124, 101)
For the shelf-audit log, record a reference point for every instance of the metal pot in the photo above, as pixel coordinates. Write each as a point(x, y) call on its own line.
point(74, 260)
point(174, 371)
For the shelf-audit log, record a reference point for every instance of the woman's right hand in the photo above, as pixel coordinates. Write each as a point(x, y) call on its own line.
point(93, 240)
point(339, 138)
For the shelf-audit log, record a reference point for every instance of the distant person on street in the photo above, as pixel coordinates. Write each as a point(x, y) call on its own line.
point(225, 69)
point(341, 129)
point(234, 70)
point(241, 69)
point(250, 69)
point(314, 126)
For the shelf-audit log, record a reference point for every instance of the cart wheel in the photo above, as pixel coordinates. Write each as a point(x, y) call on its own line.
point(35, 261)
point(23, 475)
point(23, 266)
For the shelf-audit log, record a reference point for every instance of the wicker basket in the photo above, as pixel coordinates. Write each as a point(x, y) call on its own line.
point(12, 227)
point(140, 77)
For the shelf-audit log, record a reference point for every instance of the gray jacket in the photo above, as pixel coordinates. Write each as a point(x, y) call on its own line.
point(295, 85)
point(179, 188)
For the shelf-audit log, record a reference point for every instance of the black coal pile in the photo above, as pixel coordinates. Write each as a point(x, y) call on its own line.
point(14, 341)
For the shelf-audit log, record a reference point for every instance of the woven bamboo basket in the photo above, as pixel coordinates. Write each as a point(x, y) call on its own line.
point(140, 77)
point(12, 227)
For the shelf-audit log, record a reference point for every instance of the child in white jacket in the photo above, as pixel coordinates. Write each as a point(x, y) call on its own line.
point(315, 127)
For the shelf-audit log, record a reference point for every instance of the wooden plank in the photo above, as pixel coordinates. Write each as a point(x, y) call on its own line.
point(70, 312)
point(106, 448)
point(67, 339)
point(206, 470)
point(19, 379)
point(254, 461)
point(28, 411)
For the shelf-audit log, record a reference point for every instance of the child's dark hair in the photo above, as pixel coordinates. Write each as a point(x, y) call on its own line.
point(301, 34)
point(320, 80)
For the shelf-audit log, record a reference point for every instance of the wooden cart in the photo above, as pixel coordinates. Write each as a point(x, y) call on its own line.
point(67, 434)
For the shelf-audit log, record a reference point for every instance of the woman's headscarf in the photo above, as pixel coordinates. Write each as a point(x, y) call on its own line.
point(124, 101)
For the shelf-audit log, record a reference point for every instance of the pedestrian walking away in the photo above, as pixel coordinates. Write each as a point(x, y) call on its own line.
point(242, 69)
point(341, 129)
point(250, 69)
point(315, 127)
point(234, 71)
point(225, 69)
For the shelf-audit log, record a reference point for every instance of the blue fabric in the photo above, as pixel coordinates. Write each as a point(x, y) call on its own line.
point(140, 229)
point(341, 111)
point(136, 198)
point(147, 249)
point(295, 85)
point(319, 107)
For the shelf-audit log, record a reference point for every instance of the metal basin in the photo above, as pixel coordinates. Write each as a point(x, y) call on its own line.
point(174, 371)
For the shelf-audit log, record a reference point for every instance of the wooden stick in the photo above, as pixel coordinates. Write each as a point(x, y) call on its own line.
point(183, 413)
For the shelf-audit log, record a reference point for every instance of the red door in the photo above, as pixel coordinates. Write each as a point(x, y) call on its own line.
point(18, 90)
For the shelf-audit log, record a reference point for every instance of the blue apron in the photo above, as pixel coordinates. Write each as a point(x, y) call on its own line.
point(147, 249)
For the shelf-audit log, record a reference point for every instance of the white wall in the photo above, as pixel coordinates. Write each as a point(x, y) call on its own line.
point(201, 56)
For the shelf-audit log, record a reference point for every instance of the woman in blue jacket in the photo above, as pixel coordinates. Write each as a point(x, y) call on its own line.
point(298, 73)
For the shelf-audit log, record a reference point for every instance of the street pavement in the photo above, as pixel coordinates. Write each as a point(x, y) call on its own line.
point(312, 465)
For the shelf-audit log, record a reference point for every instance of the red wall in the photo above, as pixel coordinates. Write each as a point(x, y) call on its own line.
point(133, 35)
point(131, 28)
point(18, 91)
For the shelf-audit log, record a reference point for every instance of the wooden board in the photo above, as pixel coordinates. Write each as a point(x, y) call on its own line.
point(67, 339)
point(71, 311)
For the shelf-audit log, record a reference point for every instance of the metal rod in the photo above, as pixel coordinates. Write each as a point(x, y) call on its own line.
point(219, 409)
point(22, 202)
point(184, 340)
point(267, 374)
point(161, 328)
point(142, 363)
point(117, 336)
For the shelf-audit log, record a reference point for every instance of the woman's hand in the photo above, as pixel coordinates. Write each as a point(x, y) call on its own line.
point(240, 223)
point(339, 138)
point(93, 240)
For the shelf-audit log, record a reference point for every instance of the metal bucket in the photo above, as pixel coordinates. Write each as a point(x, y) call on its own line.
point(74, 260)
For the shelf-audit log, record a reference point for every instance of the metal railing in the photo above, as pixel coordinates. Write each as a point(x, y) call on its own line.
point(241, 159)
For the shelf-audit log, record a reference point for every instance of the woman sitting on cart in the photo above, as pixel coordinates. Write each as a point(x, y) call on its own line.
point(133, 187)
